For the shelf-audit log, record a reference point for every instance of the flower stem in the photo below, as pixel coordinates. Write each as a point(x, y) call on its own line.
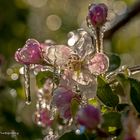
point(27, 83)
point(99, 40)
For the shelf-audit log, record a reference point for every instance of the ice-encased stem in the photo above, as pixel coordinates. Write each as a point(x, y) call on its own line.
point(98, 40)
point(27, 83)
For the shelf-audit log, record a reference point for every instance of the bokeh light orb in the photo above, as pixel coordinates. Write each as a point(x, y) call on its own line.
point(53, 22)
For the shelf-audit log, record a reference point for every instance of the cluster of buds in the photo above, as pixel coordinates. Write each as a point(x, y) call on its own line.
point(75, 65)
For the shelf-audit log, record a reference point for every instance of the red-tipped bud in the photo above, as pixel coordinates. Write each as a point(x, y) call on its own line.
point(98, 14)
point(30, 53)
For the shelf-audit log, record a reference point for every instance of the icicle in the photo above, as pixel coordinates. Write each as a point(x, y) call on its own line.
point(27, 83)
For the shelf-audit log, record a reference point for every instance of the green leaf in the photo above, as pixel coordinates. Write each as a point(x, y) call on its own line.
point(105, 93)
point(124, 84)
point(74, 106)
point(114, 62)
point(112, 122)
point(119, 90)
point(73, 136)
point(135, 93)
point(93, 101)
point(42, 77)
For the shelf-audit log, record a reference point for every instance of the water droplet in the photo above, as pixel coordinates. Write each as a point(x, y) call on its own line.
point(77, 132)
point(28, 102)
point(80, 131)
point(21, 70)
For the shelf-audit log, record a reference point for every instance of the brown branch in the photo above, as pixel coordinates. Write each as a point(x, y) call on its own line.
point(132, 12)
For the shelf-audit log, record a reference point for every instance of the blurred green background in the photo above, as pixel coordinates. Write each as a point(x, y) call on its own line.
point(49, 19)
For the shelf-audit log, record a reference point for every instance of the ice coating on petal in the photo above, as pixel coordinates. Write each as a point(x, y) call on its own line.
point(45, 49)
point(30, 53)
point(98, 64)
point(98, 14)
point(80, 42)
point(59, 54)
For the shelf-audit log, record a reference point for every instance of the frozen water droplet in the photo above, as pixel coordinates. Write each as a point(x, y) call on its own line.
point(27, 83)
point(21, 70)
point(80, 131)
point(28, 102)
point(77, 132)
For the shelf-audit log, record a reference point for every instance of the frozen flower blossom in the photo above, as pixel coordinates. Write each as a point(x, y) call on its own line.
point(59, 54)
point(98, 14)
point(98, 64)
point(30, 53)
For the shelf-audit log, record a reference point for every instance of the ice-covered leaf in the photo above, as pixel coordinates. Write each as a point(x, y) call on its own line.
point(112, 122)
point(43, 76)
point(74, 106)
point(114, 62)
point(135, 93)
point(105, 93)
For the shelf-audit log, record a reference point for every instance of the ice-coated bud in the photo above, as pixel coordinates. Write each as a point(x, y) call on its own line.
point(88, 116)
point(59, 54)
point(30, 53)
point(98, 14)
point(98, 64)
point(62, 96)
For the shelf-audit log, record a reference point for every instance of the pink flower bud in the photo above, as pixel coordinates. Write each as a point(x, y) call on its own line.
point(98, 14)
point(30, 53)
point(62, 96)
point(98, 64)
point(89, 117)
